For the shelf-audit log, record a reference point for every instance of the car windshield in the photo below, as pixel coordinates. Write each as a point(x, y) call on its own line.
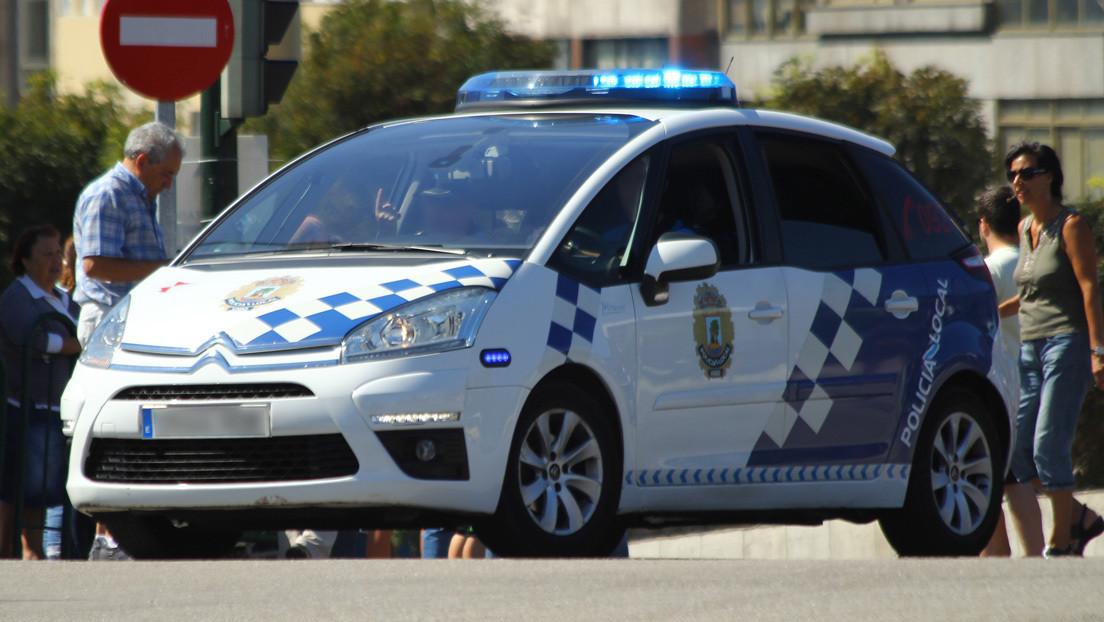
point(480, 184)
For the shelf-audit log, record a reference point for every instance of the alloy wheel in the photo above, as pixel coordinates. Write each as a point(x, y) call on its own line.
point(560, 472)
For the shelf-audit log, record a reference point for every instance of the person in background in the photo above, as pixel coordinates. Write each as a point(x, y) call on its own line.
point(68, 280)
point(37, 263)
point(119, 242)
point(465, 545)
point(1062, 335)
point(309, 544)
point(998, 214)
point(436, 542)
point(51, 538)
point(115, 231)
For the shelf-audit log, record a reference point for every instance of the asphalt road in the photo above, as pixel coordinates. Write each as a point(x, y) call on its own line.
point(532, 590)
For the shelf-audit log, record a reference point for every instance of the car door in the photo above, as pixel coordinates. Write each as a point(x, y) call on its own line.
point(853, 311)
point(712, 357)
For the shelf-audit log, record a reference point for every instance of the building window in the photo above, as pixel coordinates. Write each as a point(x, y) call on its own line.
point(764, 18)
point(1050, 14)
point(615, 53)
point(1074, 127)
point(562, 60)
point(35, 33)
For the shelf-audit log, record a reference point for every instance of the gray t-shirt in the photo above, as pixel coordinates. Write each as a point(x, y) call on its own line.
point(1051, 303)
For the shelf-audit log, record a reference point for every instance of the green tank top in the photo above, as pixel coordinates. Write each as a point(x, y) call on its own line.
point(1050, 296)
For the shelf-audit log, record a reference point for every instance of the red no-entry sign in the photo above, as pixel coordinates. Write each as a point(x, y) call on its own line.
point(167, 49)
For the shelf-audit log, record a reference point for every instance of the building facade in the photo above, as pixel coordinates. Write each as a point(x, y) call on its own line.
point(1036, 66)
point(24, 44)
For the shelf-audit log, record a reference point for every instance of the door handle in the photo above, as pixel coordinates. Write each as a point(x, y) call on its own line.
point(764, 313)
point(900, 304)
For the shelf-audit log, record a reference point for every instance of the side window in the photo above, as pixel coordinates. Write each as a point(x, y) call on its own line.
point(827, 220)
point(927, 229)
point(697, 196)
point(595, 250)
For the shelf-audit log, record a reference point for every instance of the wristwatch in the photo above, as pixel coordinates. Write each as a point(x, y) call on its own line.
point(1097, 351)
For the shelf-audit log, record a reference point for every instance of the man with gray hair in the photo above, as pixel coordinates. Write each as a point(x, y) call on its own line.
point(115, 231)
point(119, 242)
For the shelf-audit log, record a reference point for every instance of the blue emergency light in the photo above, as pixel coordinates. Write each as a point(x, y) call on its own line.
point(616, 87)
point(498, 357)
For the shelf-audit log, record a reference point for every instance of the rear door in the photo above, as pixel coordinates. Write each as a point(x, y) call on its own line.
point(853, 314)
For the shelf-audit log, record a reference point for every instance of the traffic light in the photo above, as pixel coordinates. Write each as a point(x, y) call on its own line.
point(265, 56)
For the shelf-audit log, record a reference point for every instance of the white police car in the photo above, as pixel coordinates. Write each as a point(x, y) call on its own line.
point(585, 300)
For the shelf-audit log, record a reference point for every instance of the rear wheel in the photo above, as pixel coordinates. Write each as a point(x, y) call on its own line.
point(955, 487)
point(562, 483)
point(156, 537)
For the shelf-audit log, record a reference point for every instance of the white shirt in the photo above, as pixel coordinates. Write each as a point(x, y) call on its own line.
point(59, 300)
point(1002, 263)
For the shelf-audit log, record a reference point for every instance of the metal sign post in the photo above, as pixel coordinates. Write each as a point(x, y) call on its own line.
point(166, 201)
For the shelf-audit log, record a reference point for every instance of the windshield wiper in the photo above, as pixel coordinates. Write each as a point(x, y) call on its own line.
point(374, 246)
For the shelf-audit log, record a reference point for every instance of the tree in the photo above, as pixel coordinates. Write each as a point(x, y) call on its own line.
point(927, 115)
point(51, 146)
point(1088, 443)
point(373, 60)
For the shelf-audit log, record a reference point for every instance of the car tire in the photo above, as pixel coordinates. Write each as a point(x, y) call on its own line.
point(156, 537)
point(563, 480)
point(956, 482)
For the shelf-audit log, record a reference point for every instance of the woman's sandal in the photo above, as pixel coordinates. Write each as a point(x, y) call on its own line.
point(1081, 535)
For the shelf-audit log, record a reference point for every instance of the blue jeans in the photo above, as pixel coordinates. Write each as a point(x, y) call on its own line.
point(435, 543)
point(1055, 376)
point(47, 457)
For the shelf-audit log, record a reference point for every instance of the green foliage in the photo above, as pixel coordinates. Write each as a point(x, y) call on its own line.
point(373, 60)
point(927, 115)
point(51, 146)
point(1088, 444)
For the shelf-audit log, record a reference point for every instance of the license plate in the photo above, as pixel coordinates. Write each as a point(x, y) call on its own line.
point(205, 421)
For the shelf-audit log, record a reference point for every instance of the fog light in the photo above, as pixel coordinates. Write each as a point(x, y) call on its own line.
point(425, 450)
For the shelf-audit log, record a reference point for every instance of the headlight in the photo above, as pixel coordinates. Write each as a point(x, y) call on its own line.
point(107, 337)
point(445, 321)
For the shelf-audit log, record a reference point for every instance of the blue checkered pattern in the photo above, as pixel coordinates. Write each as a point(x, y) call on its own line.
point(113, 219)
point(574, 317)
point(327, 320)
point(767, 475)
point(830, 342)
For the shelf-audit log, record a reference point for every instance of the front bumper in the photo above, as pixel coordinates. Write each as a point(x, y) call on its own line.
point(337, 407)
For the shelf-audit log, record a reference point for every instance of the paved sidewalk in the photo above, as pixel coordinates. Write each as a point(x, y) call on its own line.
point(834, 539)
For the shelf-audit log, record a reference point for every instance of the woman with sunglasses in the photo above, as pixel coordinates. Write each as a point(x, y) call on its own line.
point(1062, 340)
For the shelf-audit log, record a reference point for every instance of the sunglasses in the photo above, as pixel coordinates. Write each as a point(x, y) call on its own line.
point(1026, 173)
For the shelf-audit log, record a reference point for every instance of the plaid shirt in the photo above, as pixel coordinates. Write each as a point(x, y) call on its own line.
point(114, 219)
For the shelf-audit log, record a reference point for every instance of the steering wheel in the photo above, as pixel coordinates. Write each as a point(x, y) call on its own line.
point(585, 249)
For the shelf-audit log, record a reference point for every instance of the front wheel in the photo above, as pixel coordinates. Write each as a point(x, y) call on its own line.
point(562, 483)
point(156, 537)
point(955, 487)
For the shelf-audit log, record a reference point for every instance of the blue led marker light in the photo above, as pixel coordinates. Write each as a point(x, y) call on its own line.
point(495, 358)
point(616, 87)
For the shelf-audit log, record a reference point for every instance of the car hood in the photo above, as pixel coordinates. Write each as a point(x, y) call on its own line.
point(181, 310)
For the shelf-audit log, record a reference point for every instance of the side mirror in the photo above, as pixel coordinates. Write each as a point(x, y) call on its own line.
point(677, 257)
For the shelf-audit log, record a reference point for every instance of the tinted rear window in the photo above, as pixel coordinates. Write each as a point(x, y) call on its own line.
point(926, 228)
point(827, 221)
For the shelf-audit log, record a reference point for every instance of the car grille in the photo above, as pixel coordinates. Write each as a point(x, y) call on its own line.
point(220, 460)
point(214, 392)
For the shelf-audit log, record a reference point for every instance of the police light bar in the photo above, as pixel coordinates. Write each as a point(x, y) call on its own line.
point(618, 87)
